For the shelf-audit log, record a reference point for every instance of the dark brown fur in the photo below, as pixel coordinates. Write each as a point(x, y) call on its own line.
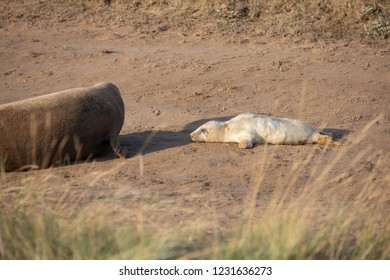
point(60, 127)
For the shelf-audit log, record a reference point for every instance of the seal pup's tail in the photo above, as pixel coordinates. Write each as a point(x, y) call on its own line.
point(325, 138)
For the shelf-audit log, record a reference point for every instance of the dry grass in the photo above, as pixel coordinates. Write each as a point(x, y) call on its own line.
point(356, 225)
point(41, 221)
point(334, 19)
point(321, 19)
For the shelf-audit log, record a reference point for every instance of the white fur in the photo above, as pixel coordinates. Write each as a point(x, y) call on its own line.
point(250, 129)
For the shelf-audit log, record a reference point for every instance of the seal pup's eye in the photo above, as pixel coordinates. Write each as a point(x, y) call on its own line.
point(203, 130)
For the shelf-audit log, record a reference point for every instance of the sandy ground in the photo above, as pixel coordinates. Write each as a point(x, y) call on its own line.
point(172, 82)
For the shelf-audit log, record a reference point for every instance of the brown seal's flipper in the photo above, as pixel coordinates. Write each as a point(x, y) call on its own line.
point(114, 142)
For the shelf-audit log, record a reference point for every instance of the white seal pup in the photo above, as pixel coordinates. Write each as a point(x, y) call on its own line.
point(250, 129)
point(61, 127)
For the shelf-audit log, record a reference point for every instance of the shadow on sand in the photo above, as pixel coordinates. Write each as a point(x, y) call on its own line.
point(337, 133)
point(158, 140)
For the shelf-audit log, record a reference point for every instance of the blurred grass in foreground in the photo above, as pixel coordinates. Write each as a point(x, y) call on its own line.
point(29, 230)
point(37, 223)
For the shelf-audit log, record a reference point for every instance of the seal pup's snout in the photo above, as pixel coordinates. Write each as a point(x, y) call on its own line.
point(192, 136)
point(200, 134)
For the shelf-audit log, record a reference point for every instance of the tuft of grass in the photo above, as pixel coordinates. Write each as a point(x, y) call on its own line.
point(294, 233)
point(34, 233)
point(355, 225)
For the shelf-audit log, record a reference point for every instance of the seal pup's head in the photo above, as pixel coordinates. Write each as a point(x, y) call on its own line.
point(212, 131)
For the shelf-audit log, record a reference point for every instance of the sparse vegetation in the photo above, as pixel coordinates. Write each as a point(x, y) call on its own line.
point(326, 19)
point(35, 225)
point(317, 19)
point(33, 231)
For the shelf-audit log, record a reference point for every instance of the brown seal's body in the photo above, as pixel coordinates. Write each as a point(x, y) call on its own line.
point(60, 127)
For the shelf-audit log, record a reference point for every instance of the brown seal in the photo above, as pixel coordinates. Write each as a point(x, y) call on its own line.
point(61, 127)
